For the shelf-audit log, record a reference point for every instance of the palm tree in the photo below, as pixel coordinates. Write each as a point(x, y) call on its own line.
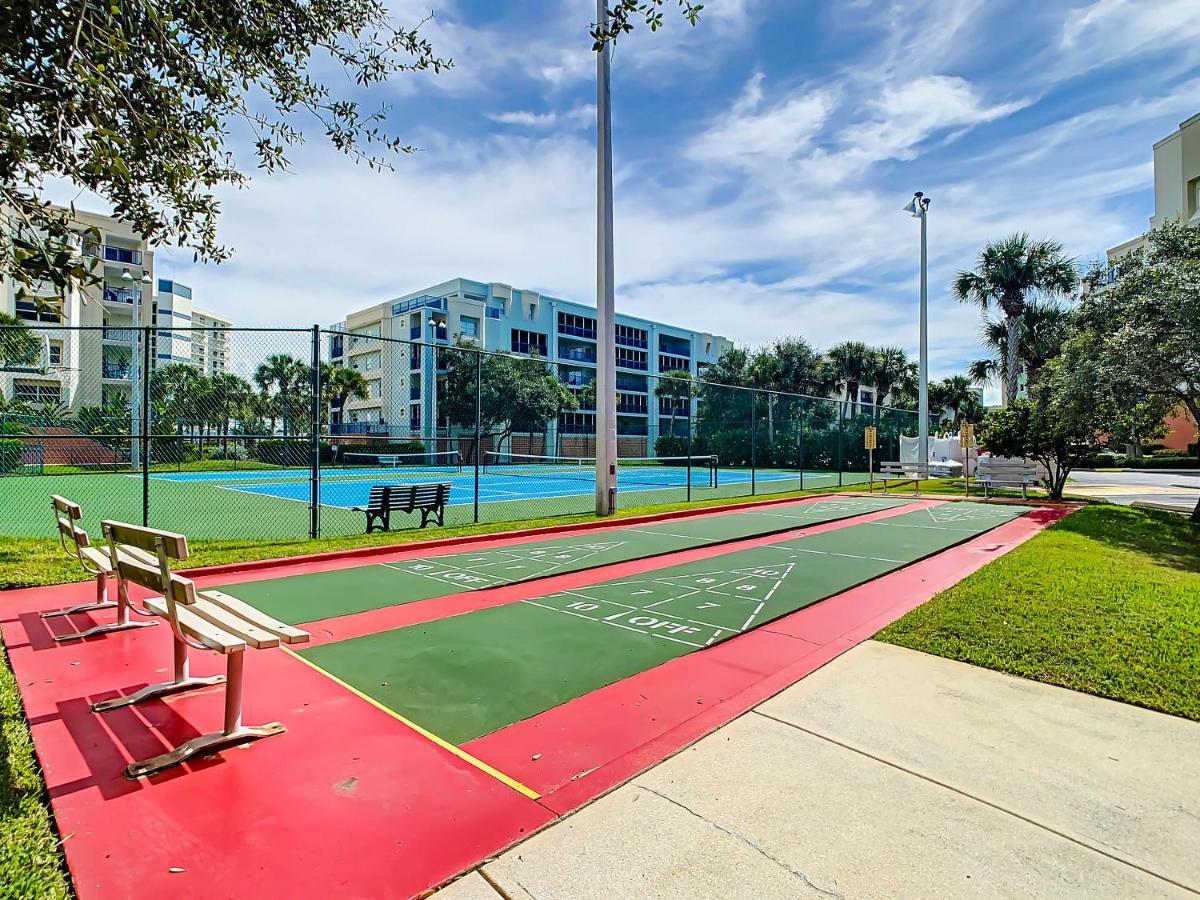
point(852, 363)
point(284, 373)
point(1005, 273)
point(892, 368)
point(1043, 329)
point(958, 396)
point(341, 384)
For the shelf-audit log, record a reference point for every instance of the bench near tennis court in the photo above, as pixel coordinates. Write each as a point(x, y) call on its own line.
point(452, 699)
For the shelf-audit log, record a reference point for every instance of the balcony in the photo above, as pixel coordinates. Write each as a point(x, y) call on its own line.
point(625, 340)
point(626, 383)
point(676, 346)
point(358, 428)
point(639, 365)
point(111, 253)
point(116, 370)
point(577, 354)
point(120, 295)
point(636, 409)
point(118, 335)
point(668, 363)
point(576, 331)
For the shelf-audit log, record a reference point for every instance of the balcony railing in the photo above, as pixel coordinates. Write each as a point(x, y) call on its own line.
point(667, 363)
point(627, 363)
point(625, 340)
point(578, 354)
point(120, 295)
point(674, 348)
point(637, 385)
point(639, 409)
point(110, 253)
point(358, 428)
point(576, 331)
point(119, 335)
point(115, 370)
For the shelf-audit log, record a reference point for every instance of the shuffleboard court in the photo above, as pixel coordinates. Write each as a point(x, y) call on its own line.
point(466, 676)
point(323, 595)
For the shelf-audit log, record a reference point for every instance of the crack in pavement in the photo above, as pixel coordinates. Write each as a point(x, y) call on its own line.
point(745, 840)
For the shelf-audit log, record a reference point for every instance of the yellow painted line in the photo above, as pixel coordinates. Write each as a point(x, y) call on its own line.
point(441, 742)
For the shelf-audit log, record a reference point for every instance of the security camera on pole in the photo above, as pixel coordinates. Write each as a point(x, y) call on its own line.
point(918, 208)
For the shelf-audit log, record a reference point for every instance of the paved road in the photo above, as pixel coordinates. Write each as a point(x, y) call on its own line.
point(1178, 491)
point(890, 773)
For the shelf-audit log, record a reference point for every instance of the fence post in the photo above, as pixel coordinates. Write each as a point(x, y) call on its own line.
point(841, 439)
point(478, 424)
point(314, 521)
point(753, 444)
point(144, 425)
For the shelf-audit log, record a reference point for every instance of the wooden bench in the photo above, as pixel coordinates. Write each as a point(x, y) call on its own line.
point(894, 470)
point(204, 620)
point(1007, 473)
point(95, 561)
point(385, 499)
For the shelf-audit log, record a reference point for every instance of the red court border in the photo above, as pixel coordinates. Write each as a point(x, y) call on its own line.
point(386, 813)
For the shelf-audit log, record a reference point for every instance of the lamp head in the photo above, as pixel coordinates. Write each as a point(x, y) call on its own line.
point(918, 205)
point(125, 276)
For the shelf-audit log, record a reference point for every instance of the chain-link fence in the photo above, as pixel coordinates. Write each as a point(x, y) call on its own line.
point(244, 434)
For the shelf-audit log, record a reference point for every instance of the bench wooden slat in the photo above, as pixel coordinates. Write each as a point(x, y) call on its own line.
point(146, 538)
point(97, 558)
point(212, 636)
point(286, 633)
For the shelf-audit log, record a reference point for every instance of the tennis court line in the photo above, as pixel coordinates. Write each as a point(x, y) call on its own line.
point(424, 732)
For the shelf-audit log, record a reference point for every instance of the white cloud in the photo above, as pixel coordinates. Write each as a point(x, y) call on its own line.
point(525, 117)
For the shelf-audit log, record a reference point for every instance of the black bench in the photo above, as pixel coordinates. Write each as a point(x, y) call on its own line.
point(386, 499)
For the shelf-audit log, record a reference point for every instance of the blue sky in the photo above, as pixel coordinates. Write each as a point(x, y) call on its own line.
point(762, 161)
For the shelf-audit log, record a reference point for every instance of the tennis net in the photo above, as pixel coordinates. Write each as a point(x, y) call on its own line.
point(665, 471)
point(422, 461)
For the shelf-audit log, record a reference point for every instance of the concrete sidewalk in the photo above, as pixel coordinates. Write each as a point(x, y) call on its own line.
point(890, 773)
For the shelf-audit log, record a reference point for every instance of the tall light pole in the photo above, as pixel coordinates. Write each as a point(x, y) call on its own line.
point(919, 209)
point(606, 376)
point(135, 366)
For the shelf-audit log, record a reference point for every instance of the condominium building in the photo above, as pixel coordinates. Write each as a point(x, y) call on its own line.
point(498, 317)
point(1176, 182)
point(1176, 197)
point(93, 358)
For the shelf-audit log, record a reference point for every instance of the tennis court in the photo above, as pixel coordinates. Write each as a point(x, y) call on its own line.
point(273, 502)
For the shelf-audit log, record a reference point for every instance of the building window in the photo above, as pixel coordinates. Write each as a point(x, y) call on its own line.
point(55, 353)
point(576, 326)
point(577, 423)
point(631, 359)
point(528, 342)
point(468, 326)
point(37, 391)
point(532, 311)
point(673, 363)
point(629, 336)
point(414, 416)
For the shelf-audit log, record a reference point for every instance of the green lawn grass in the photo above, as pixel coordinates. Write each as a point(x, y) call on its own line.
point(31, 863)
point(1107, 601)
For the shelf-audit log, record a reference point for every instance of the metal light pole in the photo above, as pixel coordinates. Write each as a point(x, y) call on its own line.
point(606, 376)
point(919, 208)
point(135, 367)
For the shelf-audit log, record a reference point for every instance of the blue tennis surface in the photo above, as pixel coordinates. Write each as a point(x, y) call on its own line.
point(348, 487)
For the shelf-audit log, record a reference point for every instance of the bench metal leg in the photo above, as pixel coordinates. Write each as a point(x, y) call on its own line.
point(101, 601)
point(123, 623)
point(233, 732)
point(183, 681)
